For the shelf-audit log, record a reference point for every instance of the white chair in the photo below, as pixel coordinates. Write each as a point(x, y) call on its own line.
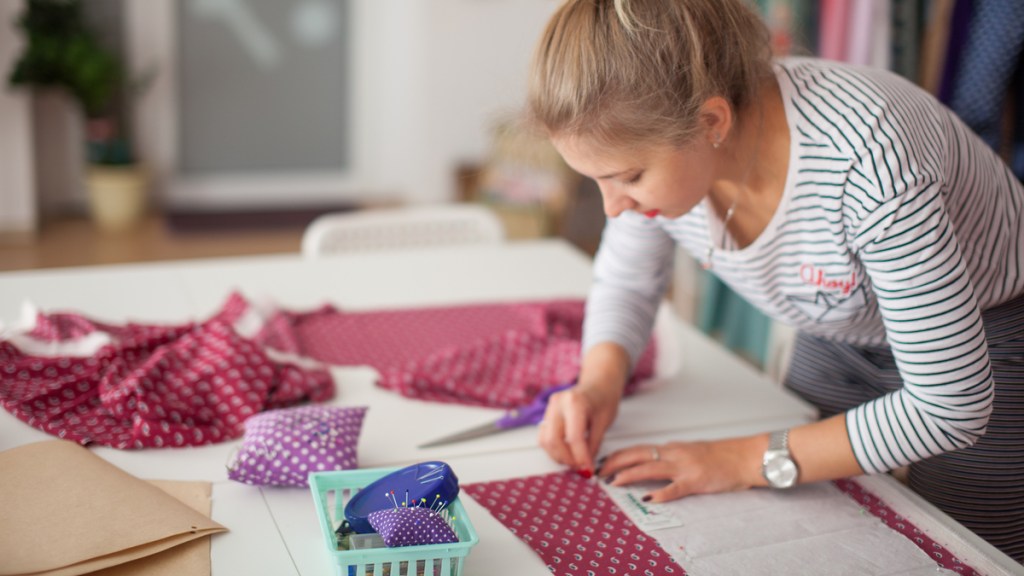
point(401, 228)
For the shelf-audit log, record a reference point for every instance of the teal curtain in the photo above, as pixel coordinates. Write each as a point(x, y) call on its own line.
point(727, 317)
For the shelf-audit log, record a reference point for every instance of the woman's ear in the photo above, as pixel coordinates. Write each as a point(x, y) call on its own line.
point(716, 117)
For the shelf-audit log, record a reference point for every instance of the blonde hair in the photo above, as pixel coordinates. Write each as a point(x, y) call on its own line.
point(636, 72)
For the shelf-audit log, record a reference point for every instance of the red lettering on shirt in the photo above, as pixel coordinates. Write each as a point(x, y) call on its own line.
point(811, 274)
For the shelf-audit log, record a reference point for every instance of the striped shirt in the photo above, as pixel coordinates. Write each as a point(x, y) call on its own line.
point(897, 226)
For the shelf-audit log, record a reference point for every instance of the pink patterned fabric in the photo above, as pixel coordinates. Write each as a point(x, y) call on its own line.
point(573, 526)
point(570, 523)
point(197, 383)
point(877, 507)
point(495, 355)
point(152, 386)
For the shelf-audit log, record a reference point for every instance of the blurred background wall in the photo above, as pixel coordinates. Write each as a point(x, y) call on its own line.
point(284, 104)
point(261, 114)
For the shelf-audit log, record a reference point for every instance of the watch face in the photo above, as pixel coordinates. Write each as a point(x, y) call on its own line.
point(780, 471)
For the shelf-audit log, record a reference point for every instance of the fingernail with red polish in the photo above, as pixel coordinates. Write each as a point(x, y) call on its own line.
point(647, 498)
point(585, 473)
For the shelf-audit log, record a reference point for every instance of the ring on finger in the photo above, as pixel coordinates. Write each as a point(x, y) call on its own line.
point(655, 455)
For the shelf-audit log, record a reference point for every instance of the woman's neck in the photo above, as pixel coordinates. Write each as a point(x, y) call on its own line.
point(754, 175)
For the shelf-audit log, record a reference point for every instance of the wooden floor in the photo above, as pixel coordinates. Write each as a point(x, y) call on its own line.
point(77, 242)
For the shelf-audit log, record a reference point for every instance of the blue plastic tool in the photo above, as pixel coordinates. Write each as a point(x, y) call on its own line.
point(425, 484)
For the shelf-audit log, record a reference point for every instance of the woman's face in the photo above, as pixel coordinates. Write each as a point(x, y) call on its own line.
point(662, 180)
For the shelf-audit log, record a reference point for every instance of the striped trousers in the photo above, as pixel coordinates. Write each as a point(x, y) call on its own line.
point(982, 486)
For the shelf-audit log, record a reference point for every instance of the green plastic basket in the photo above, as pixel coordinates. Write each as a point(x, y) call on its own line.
point(332, 490)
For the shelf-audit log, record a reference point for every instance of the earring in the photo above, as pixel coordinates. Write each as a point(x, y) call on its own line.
point(717, 142)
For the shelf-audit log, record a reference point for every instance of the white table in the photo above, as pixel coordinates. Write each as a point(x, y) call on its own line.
point(708, 393)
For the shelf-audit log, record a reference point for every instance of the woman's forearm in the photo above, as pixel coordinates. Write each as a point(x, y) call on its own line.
point(605, 365)
point(821, 451)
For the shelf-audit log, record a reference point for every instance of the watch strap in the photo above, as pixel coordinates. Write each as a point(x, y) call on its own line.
point(779, 441)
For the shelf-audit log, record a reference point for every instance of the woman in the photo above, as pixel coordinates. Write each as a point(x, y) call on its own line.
point(842, 200)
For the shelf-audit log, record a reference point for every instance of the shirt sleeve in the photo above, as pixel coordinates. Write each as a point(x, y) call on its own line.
point(933, 324)
point(632, 270)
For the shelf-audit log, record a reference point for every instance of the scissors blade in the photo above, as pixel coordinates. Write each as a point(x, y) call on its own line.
point(471, 433)
point(532, 413)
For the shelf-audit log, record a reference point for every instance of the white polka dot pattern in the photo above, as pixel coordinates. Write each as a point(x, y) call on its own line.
point(411, 526)
point(281, 447)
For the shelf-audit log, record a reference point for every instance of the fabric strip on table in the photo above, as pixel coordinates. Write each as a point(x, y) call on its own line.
point(880, 509)
point(142, 386)
point(494, 355)
point(573, 526)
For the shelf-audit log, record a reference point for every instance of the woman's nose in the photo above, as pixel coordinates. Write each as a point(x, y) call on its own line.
point(615, 203)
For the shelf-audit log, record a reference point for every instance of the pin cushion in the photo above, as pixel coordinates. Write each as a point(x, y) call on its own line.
point(427, 484)
point(334, 491)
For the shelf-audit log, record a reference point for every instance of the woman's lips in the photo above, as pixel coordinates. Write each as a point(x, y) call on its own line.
point(652, 213)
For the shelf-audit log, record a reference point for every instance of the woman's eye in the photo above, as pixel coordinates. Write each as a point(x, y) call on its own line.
point(634, 179)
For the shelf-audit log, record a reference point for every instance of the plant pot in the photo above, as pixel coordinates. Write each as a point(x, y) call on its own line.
point(117, 196)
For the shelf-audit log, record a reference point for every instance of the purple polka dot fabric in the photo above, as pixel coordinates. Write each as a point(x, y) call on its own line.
point(412, 526)
point(281, 447)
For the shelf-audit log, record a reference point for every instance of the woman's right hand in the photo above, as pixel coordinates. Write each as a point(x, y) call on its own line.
point(576, 419)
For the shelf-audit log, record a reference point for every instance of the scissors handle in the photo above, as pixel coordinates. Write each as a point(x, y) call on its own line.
point(532, 413)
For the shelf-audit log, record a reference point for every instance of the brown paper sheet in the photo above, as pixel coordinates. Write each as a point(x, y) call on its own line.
point(189, 559)
point(69, 512)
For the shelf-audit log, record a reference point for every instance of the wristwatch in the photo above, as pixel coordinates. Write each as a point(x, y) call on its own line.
point(778, 467)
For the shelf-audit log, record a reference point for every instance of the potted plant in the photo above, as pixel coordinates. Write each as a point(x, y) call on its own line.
point(64, 60)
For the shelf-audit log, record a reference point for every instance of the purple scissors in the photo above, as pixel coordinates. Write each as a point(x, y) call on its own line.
point(532, 413)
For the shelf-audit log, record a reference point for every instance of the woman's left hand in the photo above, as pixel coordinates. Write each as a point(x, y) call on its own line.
point(690, 467)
